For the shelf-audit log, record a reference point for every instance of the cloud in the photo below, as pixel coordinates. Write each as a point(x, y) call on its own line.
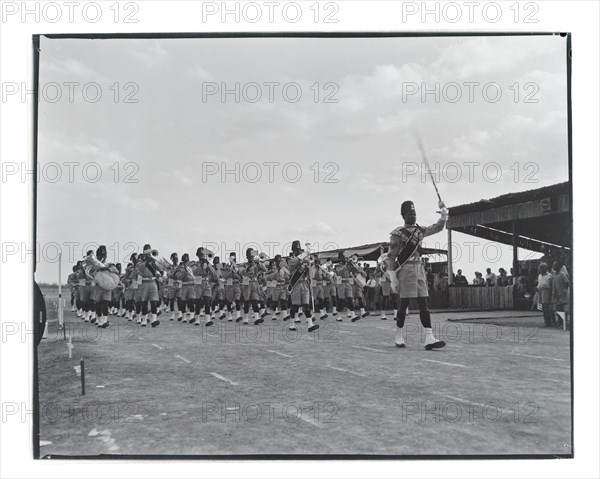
point(138, 204)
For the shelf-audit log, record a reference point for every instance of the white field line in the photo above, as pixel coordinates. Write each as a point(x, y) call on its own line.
point(446, 364)
point(280, 354)
point(223, 378)
point(157, 346)
point(370, 349)
point(182, 358)
point(347, 371)
point(536, 357)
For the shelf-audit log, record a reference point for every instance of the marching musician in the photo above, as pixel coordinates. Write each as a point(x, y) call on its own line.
point(385, 282)
point(329, 294)
point(187, 292)
point(204, 277)
point(317, 278)
point(73, 283)
point(87, 293)
point(359, 275)
point(128, 282)
point(300, 285)
point(174, 289)
point(345, 287)
point(117, 296)
point(233, 291)
point(249, 272)
point(218, 292)
point(148, 270)
point(102, 297)
point(404, 258)
point(279, 277)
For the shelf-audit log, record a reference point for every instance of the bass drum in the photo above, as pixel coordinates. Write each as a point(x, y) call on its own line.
point(106, 280)
point(360, 281)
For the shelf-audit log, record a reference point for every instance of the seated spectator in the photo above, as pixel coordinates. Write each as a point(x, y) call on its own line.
point(523, 296)
point(478, 280)
point(459, 279)
point(544, 290)
point(503, 279)
point(490, 278)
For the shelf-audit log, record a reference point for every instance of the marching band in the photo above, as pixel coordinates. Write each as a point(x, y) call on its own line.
point(302, 284)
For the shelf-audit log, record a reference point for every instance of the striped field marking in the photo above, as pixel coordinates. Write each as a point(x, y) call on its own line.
point(370, 349)
point(182, 358)
point(280, 354)
point(446, 364)
point(223, 378)
point(536, 357)
point(347, 371)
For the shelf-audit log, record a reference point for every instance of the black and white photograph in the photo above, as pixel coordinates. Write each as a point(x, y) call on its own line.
point(305, 246)
point(297, 239)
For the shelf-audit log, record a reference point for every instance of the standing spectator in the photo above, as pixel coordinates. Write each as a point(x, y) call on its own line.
point(544, 290)
point(441, 282)
point(490, 278)
point(503, 279)
point(430, 278)
point(560, 288)
point(460, 280)
point(478, 280)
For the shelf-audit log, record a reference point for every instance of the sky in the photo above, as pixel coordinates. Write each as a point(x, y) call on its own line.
point(334, 166)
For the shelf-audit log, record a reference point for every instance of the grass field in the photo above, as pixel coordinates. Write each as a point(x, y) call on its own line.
point(183, 390)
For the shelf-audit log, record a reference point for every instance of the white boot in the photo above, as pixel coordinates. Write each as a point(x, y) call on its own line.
point(400, 338)
point(144, 320)
point(431, 342)
point(154, 321)
point(197, 323)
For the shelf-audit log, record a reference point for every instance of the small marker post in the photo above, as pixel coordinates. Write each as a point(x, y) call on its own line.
point(82, 377)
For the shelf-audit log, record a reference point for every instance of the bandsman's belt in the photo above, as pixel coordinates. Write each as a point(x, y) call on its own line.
point(88, 283)
point(318, 283)
point(187, 283)
point(414, 261)
point(147, 280)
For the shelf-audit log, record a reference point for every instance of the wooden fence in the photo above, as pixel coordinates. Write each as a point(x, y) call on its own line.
point(479, 298)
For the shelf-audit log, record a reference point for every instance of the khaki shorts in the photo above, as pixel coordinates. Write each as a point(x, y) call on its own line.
point(300, 294)
point(85, 292)
point(233, 292)
point(250, 291)
point(148, 291)
point(345, 290)
point(319, 292)
point(187, 291)
point(101, 294)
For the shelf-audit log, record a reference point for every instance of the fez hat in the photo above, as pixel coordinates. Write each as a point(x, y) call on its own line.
point(407, 207)
point(296, 248)
point(185, 257)
point(147, 248)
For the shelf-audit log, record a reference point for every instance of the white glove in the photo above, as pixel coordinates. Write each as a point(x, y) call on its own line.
point(444, 213)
